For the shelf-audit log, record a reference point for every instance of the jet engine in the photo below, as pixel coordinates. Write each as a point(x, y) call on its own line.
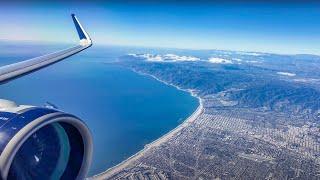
point(42, 143)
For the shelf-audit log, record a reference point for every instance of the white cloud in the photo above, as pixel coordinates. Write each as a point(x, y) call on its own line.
point(253, 62)
point(180, 58)
point(307, 80)
point(286, 74)
point(165, 58)
point(249, 53)
point(219, 60)
point(149, 57)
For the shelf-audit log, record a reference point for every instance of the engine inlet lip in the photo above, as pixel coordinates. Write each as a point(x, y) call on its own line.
point(21, 136)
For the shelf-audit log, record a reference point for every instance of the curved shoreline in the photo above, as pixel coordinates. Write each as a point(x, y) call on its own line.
point(117, 168)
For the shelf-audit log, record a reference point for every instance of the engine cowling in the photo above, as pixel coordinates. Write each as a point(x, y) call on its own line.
point(42, 143)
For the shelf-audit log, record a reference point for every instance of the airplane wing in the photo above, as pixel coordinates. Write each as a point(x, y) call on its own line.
point(12, 71)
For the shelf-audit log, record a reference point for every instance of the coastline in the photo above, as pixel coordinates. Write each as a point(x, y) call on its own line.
point(117, 168)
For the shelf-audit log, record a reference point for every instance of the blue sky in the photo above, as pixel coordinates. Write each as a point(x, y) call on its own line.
point(240, 25)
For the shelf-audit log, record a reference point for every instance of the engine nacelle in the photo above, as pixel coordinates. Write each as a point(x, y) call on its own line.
point(42, 143)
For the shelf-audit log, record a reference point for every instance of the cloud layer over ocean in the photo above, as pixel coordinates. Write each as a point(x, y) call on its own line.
point(165, 58)
point(181, 58)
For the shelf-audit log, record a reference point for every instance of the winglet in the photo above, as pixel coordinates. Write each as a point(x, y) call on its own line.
point(85, 39)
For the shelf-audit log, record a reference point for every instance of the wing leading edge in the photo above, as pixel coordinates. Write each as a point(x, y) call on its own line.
point(13, 71)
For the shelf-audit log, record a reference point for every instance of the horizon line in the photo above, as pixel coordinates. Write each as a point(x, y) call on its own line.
point(154, 47)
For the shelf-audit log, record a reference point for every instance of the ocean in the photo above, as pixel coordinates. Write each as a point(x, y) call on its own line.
point(124, 110)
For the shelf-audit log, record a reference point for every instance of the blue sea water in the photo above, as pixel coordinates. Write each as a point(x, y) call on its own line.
point(124, 110)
